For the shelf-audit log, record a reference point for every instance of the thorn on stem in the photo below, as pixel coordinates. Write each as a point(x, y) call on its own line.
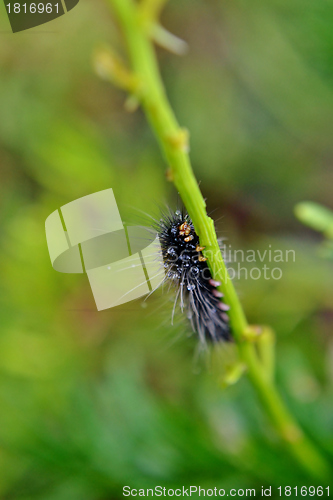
point(167, 40)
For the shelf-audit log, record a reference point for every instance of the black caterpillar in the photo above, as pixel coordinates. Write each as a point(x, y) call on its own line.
point(186, 267)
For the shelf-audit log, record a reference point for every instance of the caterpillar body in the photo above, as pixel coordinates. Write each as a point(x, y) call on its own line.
point(187, 268)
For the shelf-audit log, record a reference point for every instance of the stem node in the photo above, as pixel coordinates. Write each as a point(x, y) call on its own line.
point(180, 140)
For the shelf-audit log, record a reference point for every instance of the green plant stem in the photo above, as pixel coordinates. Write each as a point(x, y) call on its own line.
point(174, 143)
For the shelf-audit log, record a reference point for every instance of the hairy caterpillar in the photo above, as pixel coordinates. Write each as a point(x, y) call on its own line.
point(187, 269)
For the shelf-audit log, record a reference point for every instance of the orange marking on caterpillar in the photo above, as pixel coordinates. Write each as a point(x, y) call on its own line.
point(184, 229)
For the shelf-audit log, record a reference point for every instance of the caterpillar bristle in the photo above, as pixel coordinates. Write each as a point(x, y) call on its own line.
point(187, 269)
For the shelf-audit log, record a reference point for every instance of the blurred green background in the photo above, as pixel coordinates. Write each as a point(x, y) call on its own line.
point(92, 401)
